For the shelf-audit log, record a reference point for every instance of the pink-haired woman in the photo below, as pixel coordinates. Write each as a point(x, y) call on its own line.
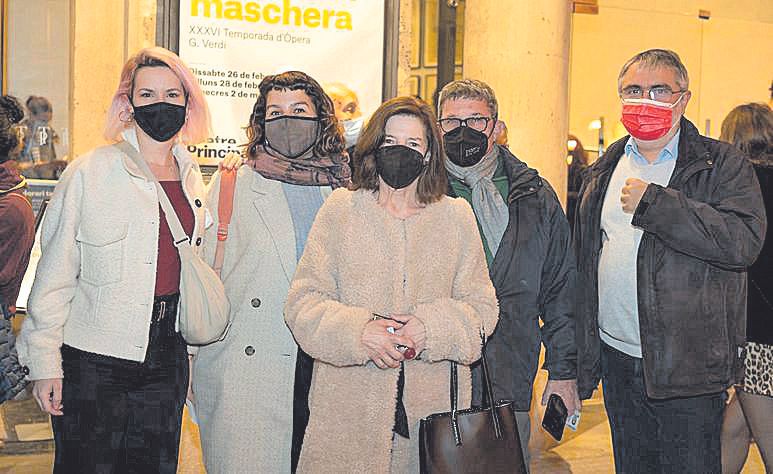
point(100, 340)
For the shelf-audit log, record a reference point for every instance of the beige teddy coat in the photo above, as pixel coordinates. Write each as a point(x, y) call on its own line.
point(360, 260)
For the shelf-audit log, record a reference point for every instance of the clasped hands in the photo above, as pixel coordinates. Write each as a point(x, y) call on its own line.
point(381, 337)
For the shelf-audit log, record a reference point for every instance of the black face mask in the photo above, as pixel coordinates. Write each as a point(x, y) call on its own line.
point(398, 165)
point(160, 120)
point(465, 146)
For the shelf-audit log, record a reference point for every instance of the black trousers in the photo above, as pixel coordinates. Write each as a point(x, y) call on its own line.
point(123, 416)
point(650, 436)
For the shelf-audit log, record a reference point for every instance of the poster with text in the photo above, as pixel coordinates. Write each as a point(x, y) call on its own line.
point(232, 45)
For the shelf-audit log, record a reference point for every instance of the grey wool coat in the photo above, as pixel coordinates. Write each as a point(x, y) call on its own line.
point(243, 385)
point(358, 260)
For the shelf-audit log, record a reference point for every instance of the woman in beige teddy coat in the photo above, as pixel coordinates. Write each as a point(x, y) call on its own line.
point(391, 268)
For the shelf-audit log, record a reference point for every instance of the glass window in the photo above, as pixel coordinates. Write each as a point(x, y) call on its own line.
point(37, 72)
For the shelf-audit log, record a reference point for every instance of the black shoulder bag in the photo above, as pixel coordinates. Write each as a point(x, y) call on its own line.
point(481, 440)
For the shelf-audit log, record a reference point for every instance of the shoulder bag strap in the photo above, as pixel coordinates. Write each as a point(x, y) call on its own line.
point(178, 233)
point(489, 389)
point(225, 208)
point(454, 395)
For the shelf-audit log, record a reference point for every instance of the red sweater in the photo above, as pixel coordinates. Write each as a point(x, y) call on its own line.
point(17, 233)
point(168, 264)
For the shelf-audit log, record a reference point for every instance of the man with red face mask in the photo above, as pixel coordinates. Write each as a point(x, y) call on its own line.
point(666, 225)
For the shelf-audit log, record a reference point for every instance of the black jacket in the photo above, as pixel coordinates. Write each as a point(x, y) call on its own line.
point(759, 325)
point(701, 233)
point(533, 273)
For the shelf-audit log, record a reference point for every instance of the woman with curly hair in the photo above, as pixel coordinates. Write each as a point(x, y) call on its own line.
point(244, 386)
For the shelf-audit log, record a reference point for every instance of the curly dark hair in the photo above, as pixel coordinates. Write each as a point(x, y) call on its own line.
point(433, 181)
point(330, 140)
point(11, 113)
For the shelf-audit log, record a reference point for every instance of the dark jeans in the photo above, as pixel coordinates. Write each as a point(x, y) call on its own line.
point(675, 435)
point(122, 416)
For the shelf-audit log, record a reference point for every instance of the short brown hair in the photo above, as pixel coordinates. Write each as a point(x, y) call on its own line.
point(468, 89)
point(433, 182)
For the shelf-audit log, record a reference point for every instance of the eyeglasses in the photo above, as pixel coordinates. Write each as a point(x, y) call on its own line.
point(475, 123)
point(659, 93)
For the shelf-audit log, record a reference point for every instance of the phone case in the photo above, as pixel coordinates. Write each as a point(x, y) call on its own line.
point(555, 417)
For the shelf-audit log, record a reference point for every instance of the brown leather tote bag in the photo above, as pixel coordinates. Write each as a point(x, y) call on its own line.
point(475, 440)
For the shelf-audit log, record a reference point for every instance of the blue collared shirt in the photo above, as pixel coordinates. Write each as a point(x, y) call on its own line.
point(669, 152)
point(618, 304)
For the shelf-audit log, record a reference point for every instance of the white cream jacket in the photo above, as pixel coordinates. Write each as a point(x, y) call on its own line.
point(95, 281)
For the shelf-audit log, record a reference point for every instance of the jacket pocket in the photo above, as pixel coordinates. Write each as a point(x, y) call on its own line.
point(102, 253)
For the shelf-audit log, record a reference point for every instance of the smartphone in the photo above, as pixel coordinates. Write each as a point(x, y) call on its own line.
point(555, 417)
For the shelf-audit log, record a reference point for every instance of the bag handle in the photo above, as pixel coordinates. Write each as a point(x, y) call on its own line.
point(489, 392)
point(489, 389)
point(225, 208)
point(178, 233)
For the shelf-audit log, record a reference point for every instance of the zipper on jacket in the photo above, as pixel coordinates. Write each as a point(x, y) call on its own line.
point(646, 250)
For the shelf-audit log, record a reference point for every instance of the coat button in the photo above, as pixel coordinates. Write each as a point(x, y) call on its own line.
point(26, 370)
point(255, 302)
point(249, 350)
point(198, 241)
point(197, 202)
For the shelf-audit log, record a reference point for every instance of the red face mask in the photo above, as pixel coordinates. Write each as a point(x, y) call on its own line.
point(647, 119)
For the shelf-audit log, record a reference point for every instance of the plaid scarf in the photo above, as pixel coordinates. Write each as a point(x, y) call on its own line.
point(306, 170)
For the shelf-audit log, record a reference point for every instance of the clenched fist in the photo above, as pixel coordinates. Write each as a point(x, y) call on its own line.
point(631, 194)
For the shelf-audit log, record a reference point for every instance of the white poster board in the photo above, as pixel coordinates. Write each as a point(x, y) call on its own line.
point(39, 192)
point(232, 45)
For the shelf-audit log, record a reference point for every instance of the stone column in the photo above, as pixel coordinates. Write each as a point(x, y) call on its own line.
point(104, 34)
point(521, 49)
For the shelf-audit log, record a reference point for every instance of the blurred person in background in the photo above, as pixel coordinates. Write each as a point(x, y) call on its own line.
point(38, 157)
point(578, 163)
point(750, 411)
point(348, 113)
point(40, 137)
point(17, 235)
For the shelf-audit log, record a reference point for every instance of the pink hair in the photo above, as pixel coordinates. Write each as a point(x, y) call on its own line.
point(197, 124)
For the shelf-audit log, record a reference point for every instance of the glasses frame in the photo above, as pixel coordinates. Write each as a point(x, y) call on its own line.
point(463, 123)
point(650, 95)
